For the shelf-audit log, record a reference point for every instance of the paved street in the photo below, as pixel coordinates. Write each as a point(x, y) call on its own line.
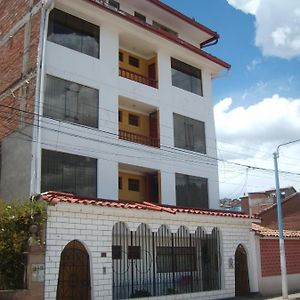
point(295, 296)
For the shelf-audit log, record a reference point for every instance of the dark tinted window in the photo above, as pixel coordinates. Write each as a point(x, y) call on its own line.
point(133, 185)
point(114, 4)
point(189, 134)
point(191, 191)
point(69, 173)
point(186, 77)
point(73, 32)
point(164, 28)
point(140, 16)
point(121, 56)
point(70, 101)
point(133, 120)
point(134, 62)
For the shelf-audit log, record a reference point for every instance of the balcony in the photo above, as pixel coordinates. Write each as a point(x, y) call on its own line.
point(139, 66)
point(138, 138)
point(138, 123)
point(138, 78)
point(138, 184)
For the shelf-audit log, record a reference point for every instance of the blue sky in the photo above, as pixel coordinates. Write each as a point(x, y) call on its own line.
point(257, 106)
point(253, 76)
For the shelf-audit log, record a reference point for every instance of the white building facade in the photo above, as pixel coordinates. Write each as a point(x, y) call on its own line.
point(99, 75)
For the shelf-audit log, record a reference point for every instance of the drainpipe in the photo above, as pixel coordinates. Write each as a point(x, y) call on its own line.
point(47, 6)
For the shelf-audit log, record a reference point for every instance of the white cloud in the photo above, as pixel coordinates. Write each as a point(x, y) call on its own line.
point(249, 135)
point(247, 6)
point(253, 64)
point(277, 25)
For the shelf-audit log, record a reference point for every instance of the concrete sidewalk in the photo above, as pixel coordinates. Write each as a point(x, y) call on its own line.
point(295, 296)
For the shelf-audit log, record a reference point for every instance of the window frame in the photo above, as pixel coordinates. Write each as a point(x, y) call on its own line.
point(191, 75)
point(80, 29)
point(134, 61)
point(63, 110)
point(133, 120)
point(134, 185)
point(194, 140)
point(190, 198)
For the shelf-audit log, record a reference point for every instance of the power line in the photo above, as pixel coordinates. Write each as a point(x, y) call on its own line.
point(164, 147)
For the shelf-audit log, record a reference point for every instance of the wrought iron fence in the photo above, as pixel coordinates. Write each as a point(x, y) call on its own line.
point(147, 263)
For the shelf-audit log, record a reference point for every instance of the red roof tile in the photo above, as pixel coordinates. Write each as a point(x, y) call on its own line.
point(267, 232)
point(58, 197)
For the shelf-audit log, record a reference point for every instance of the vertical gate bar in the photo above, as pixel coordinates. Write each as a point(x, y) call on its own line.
point(153, 254)
point(173, 261)
point(131, 261)
point(192, 263)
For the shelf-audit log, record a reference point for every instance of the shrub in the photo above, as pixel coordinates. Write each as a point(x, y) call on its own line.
point(15, 221)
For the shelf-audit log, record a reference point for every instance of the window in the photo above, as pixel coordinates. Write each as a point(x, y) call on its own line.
point(186, 77)
point(69, 173)
point(189, 134)
point(133, 61)
point(133, 120)
point(70, 101)
point(121, 56)
point(184, 259)
point(116, 252)
point(133, 185)
point(74, 33)
point(134, 252)
point(191, 191)
point(164, 28)
point(140, 16)
point(114, 4)
point(120, 183)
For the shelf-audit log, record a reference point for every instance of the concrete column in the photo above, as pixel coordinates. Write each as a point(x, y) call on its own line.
point(107, 181)
point(168, 188)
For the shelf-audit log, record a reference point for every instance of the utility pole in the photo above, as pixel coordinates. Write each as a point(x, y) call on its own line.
point(280, 223)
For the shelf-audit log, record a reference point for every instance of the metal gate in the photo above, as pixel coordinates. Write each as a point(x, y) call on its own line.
point(74, 273)
point(147, 263)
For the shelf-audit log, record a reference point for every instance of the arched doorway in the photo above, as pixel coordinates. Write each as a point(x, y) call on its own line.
point(74, 273)
point(241, 272)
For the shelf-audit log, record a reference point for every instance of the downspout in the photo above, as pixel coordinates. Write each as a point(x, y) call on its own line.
point(47, 6)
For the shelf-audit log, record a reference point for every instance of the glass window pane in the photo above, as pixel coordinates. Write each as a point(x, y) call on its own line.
point(69, 101)
point(191, 191)
point(186, 77)
point(189, 134)
point(69, 173)
point(74, 33)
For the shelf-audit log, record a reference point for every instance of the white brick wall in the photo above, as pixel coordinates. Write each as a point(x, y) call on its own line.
point(92, 226)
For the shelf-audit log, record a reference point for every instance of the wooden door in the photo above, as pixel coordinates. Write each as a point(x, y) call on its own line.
point(74, 273)
point(241, 272)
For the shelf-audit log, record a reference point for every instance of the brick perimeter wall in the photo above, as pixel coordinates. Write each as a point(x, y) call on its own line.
point(270, 259)
point(93, 227)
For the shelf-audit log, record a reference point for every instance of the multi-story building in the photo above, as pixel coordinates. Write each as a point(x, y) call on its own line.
point(113, 100)
point(122, 101)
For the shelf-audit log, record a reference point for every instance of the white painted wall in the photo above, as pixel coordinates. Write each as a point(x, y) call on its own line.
point(103, 143)
point(92, 225)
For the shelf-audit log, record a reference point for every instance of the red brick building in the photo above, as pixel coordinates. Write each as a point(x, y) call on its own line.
point(267, 246)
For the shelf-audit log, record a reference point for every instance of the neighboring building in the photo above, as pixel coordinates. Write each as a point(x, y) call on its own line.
point(267, 247)
point(230, 204)
point(256, 202)
point(112, 100)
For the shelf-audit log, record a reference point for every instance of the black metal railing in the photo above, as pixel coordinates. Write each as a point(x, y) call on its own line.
point(147, 263)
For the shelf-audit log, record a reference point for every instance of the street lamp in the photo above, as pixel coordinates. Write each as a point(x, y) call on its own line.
point(280, 223)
